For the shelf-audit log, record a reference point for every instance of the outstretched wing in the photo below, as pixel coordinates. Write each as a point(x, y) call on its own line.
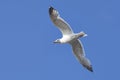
point(59, 22)
point(79, 53)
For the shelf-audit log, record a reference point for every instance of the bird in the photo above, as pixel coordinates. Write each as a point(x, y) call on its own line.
point(68, 36)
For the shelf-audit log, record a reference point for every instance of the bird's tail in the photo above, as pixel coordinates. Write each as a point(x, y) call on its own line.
point(81, 34)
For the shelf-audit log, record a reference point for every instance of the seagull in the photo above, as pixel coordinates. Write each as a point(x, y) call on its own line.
point(70, 37)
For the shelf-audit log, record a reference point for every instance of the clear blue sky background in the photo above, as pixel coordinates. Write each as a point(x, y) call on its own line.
point(27, 51)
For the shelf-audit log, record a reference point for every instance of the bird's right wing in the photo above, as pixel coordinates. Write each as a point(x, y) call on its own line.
point(79, 53)
point(59, 22)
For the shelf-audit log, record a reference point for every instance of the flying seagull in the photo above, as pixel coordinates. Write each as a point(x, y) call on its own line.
point(70, 37)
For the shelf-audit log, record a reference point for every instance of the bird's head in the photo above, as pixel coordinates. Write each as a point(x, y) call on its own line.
point(57, 41)
point(53, 12)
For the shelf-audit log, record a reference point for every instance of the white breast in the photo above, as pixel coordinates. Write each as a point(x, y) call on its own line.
point(66, 39)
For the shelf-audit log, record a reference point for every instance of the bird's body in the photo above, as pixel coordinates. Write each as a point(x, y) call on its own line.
point(66, 39)
point(70, 37)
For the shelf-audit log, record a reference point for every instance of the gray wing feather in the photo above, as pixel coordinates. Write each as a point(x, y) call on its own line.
point(63, 26)
point(77, 48)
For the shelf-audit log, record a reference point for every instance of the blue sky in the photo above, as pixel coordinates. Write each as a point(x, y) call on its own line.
point(27, 51)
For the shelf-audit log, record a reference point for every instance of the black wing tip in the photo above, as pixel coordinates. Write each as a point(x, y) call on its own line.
point(51, 10)
point(90, 68)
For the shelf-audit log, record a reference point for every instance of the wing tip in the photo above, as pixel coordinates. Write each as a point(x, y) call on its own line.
point(51, 10)
point(90, 68)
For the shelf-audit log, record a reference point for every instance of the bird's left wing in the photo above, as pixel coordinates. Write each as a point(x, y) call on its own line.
point(79, 53)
